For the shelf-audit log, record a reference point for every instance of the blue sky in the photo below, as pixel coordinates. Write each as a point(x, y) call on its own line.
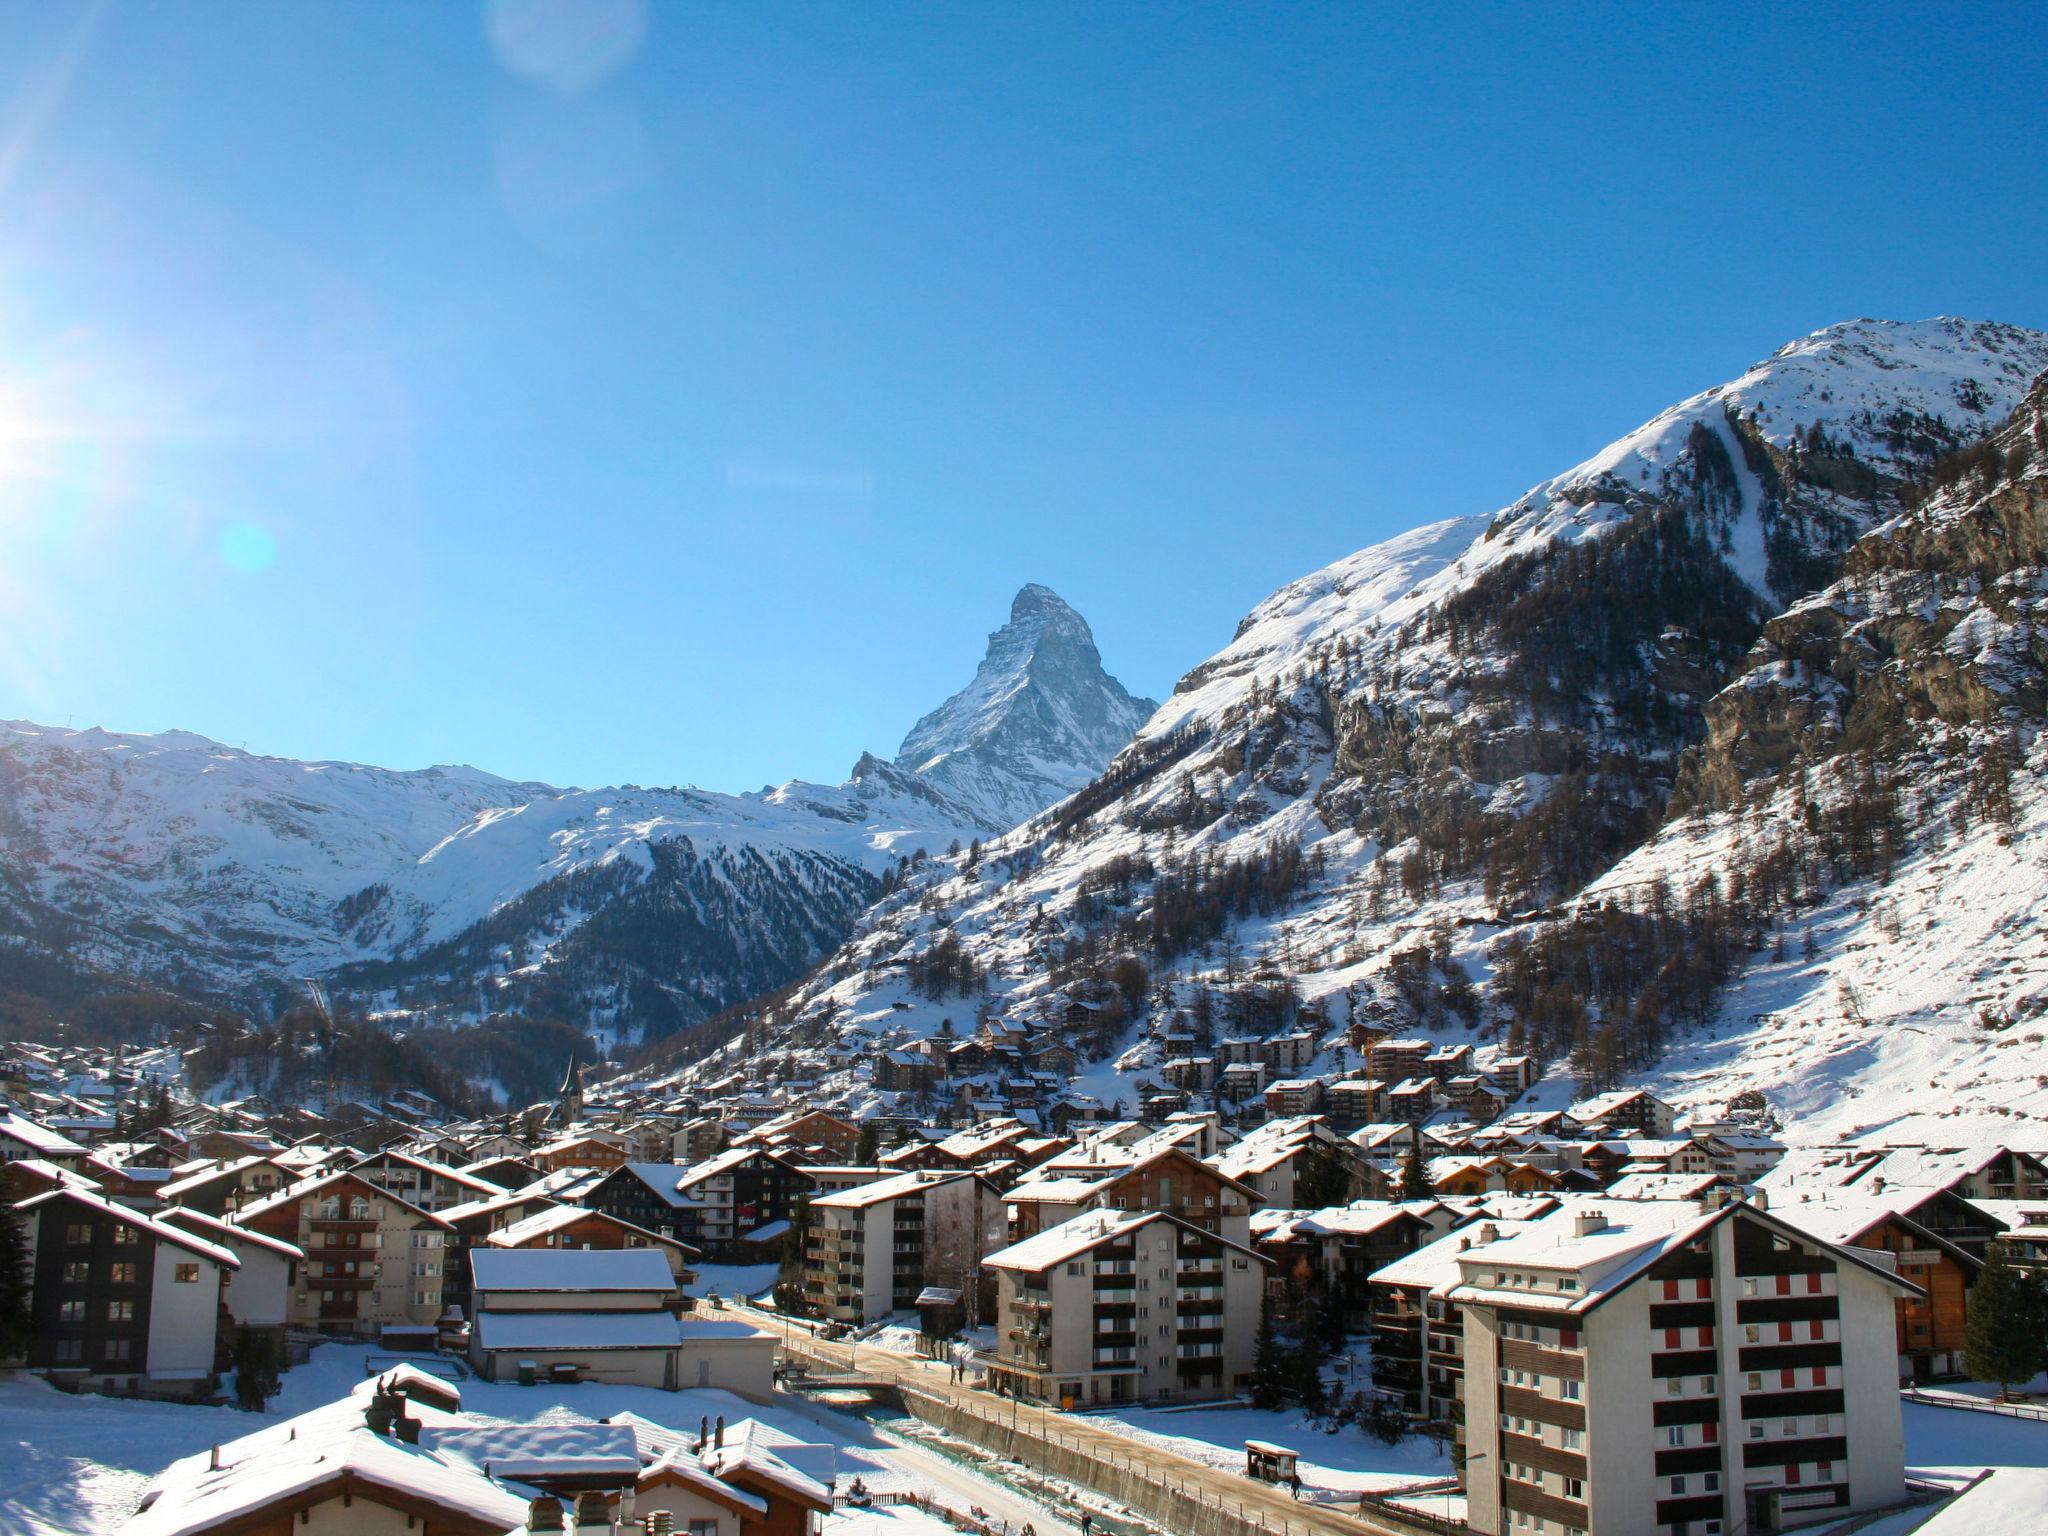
point(678, 394)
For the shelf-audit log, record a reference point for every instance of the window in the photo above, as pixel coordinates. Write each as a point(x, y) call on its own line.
point(186, 1274)
point(126, 1237)
point(1675, 1386)
point(1816, 1329)
point(1570, 1390)
point(1790, 1429)
point(71, 1311)
point(116, 1350)
point(1574, 1488)
point(1675, 1435)
point(1823, 1423)
point(1713, 1482)
point(120, 1311)
point(1678, 1485)
point(1756, 1431)
point(703, 1528)
point(1574, 1439)
point(70, 1351)
point(1752, 1334)
point(77, 1274)
point(78, 1232)
point(121, 1274)
point(1754, 1381)
point(1749, 1287)
point(1707, 1384)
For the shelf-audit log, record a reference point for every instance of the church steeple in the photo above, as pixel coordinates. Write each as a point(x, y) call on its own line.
point(569, 1103)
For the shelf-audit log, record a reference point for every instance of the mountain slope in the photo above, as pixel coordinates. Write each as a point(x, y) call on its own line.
point(216, 874)
point(1040, 719)
point(1371, 798)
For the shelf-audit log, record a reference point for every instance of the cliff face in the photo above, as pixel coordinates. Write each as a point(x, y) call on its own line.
point(1483, 776)
point(1936, 621)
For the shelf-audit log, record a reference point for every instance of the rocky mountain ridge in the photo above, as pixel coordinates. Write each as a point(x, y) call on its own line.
point(203, 872)
point(1372, 802)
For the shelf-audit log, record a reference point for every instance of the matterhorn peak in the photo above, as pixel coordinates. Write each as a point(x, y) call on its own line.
point(1040, 719)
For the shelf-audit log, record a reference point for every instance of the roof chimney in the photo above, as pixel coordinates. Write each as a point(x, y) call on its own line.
point(1588, 1222)
point(593, 1514)
point(1489, 1233)
point(718, 1434)
point(544, 1515)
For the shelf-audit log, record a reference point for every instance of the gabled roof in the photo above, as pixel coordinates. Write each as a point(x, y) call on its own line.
point(292, 1194)
point(38, 1138)
point(555, 1218)
point(70, 1194)
point(469, 1181)
point(1091, 1229)
point(216, 1230)
point(570, 1269)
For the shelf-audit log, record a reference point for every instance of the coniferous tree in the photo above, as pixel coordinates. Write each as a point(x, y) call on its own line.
point(1269, 1365)
point(2002, 1339)
point(1414, 1177)
point(16, 1326)
point(255, 1361)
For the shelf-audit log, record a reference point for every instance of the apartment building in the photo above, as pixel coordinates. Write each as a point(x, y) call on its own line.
point(1125, 1306)
point(120, 1301)
point(871, 1249)
point(1656, 1367)
point(745, 1195)
point(1171, 1179)
point(372, 1258)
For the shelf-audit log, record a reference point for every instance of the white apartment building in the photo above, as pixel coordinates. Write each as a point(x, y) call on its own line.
point(1658, 1367)
point(870, 1249)
point(1125, 1306)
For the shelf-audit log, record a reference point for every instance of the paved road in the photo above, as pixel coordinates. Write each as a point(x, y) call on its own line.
point(1280, 1512)
point(952, 1483)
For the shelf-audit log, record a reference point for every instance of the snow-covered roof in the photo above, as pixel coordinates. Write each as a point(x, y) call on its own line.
point(570, 1269)
point(1434, 1266)
point(163, 1232)
point(549, 1331)
point(275, 1471)
point(215, 1230)
point(1088, 1230)
point(527, 1451)
point(664, 1179)
point(38, 1138)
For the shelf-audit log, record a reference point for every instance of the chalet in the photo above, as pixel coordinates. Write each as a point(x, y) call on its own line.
point(221, 1189)
point(650, 1196)
point(573, 1226)
point(1930, 1324)
point(746, 1193)
point(1626, 1109)
point(21, 1137)
point(593, 1149)
point(421, 1181)
point(1172, 1180)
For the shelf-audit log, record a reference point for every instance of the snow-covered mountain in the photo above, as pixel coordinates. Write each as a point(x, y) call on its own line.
point(220, 874)
point(1447, 783)
point(1040, 719)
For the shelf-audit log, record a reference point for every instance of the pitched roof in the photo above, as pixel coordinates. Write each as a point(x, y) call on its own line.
point(542, 1331)
point(570, 1269)
point(134, 1218)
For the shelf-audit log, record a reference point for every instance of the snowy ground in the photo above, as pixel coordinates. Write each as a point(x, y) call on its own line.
point(1349, 1460)
point(80, 1464)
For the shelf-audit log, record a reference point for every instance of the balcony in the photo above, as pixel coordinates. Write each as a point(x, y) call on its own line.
point(340, 1282)
point(1110, 1296)
point(1199, 1293)
point(343, 1223)
point(1115, 1266)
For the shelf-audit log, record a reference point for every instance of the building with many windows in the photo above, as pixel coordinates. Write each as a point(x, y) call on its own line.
point(870, 1250)
point(1655, 1366)
point(1125, 1306)
point(122, 1301)
point(372, 1259)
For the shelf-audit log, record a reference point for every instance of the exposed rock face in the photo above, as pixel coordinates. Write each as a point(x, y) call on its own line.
point(1405, 763)
point(1040, 719)
point(1936, 621)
